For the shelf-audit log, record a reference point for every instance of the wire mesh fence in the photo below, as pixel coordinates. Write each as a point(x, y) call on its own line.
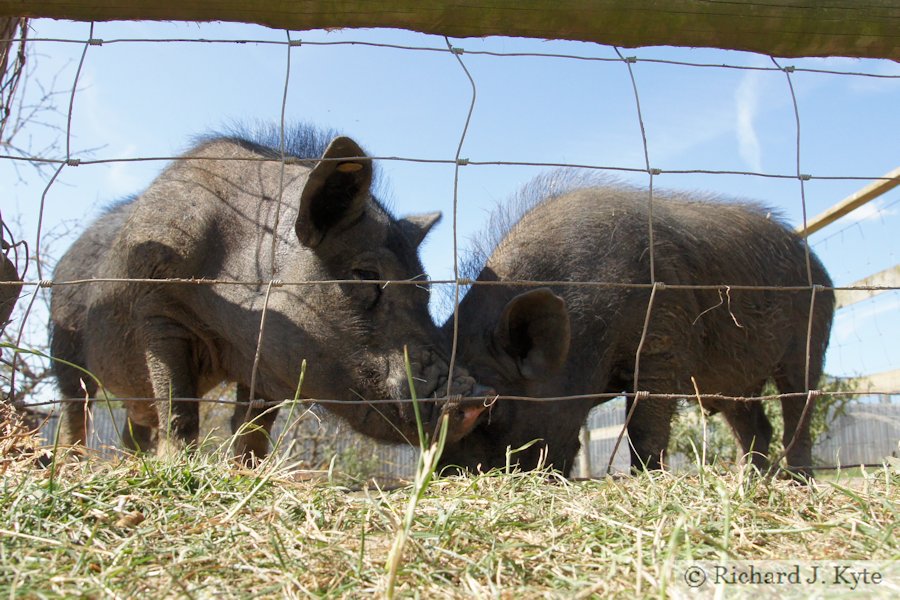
point(453, 159)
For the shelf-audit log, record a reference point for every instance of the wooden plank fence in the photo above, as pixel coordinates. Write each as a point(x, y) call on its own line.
point(865, 434)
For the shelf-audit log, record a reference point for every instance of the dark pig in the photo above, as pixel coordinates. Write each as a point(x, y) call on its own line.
point(573, 340)
point(226, 211)
point(10, 282)
point(9, 291)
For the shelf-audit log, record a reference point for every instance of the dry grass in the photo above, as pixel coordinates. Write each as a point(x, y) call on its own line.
point(18, 441)
point(202, 527)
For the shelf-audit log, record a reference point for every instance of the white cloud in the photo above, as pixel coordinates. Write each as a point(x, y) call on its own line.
point(121, 177)
point(747, 102)
point(849, 320)
point(872, 211)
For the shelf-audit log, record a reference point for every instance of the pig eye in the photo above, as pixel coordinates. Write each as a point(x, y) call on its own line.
point(368, 294)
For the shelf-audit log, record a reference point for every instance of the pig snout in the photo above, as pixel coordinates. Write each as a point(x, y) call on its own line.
point(463, 401)
point(464, 413)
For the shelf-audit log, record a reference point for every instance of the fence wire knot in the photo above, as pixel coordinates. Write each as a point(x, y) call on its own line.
point(95, 42)
point(277, 283)
point(73, 162)
point(642, 395)
point(258, 403)
point(45, 283)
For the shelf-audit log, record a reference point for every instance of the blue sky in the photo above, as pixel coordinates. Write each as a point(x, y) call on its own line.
point(143, 99)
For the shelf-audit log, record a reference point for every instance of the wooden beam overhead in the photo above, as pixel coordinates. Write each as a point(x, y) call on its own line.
point(869, 29)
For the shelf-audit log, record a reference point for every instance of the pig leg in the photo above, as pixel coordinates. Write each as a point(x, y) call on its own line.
point(649, 431)
point(73, 422)
point(799, 450)
point(663, 366)
point(254, 426)
point(662, 370)
point(752, 429)
point(66, 344)
point(136, 437)
point(170, 357)
point(790, 377)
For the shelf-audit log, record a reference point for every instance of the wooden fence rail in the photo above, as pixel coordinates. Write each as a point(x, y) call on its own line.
point(868, 29)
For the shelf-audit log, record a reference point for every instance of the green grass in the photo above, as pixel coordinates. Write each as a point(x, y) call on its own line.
point(202, 527)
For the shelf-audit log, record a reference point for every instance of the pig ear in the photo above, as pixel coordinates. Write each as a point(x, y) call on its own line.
point(336, 193)
point(416, 227)
point(534, 331)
